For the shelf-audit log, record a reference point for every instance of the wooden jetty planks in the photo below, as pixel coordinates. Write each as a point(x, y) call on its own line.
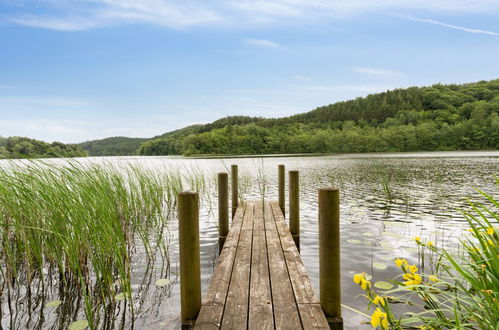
point(210, 315)
point(259, 281)
point(236, 306)
point(260, 309)
point(285, 309)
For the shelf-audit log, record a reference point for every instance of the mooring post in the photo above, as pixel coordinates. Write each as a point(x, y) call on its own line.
point(329, 256)
point(190, 274)
point(281, 177)
point(294, 207)
point(235, 195)
point(223, 208)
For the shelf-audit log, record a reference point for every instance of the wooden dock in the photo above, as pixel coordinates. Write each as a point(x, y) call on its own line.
point(259, 281)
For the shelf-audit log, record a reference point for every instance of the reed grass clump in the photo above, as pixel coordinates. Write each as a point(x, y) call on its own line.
point(78, 224)
point(459, 292)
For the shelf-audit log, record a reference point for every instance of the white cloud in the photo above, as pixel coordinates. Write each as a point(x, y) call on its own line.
point(87, 14)
point(84, 15)
point(263, 43)
point(455, 27)
point(379, 72)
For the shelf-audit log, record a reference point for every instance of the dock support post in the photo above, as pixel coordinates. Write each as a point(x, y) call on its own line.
point(294, 207)
point(281, 177)
point(329, 256)
point(190, 274)
point(235, 195)
point(223, 209)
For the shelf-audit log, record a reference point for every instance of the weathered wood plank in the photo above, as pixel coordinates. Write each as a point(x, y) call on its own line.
point(285, 309)
point(235, 314)
point(302, 287)
point(312, 316)
point(210, 317)
point(260, 308)
point(219, 285)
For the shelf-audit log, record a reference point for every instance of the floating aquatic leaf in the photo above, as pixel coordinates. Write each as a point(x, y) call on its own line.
point(78, 325)
point(368, 277)
point(368, 234)
point(53, 303)
point(386, 257)
point(380, 265)
point(383, 285)
point(354, 241)
point(119, 296)
point(162, 282)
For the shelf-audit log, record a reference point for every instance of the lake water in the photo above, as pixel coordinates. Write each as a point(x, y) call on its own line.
point(386, 200)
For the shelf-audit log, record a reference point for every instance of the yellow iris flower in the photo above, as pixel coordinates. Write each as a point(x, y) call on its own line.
point(379, 300)
point(379, 318)
point(399, 262)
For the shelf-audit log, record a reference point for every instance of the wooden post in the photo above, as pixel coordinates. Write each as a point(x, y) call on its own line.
point(281, 177)
point(190, 267)
point(329, 256)
point(223, 208)
point(294, 207)
point(235, 195)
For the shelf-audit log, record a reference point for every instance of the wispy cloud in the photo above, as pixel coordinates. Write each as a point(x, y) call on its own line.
point(81, 15)
point(455, 27)
point(263, 43)
point(76, 15)
point(379, 72)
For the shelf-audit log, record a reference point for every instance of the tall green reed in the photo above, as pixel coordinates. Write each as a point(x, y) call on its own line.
point(78, 225)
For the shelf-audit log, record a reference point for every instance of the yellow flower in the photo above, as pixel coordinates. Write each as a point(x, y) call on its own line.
point(399, 262)
point(379, 300)
point(490, 231)
point(469, 230)
point(429, 244)
point(417, 239)
point(361, 280)
point(379, 319)
point(413, 269)
point(412, 279)
point(357, 278)
point(365, 284)
point(433, 278)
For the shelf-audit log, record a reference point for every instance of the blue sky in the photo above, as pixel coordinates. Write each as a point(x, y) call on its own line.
point(74, 70)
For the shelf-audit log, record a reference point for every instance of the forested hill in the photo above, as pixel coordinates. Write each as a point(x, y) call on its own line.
point(22, 147)
point(440, 117)
point(113, 146)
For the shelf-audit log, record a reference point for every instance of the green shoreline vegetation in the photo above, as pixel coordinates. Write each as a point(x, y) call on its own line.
point(22, 147)
point(70, 231)
point(440, 117)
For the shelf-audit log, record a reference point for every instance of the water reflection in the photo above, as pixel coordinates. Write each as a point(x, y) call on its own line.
point(386, 200)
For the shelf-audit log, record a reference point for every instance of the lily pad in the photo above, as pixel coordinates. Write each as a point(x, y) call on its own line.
point(53, 303)
point(354, 241)
point(367, 234)
point(162, 282)
point(380, 265)
point(386, 258)
point(368, 277)
point(383, 285)
point(78, 325)
point(119, 296)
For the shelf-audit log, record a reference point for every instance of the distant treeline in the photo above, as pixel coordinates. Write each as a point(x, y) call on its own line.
point(22, 147)
point(440, 117)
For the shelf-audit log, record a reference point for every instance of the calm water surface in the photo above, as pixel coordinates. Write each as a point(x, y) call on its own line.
point(386, 200)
